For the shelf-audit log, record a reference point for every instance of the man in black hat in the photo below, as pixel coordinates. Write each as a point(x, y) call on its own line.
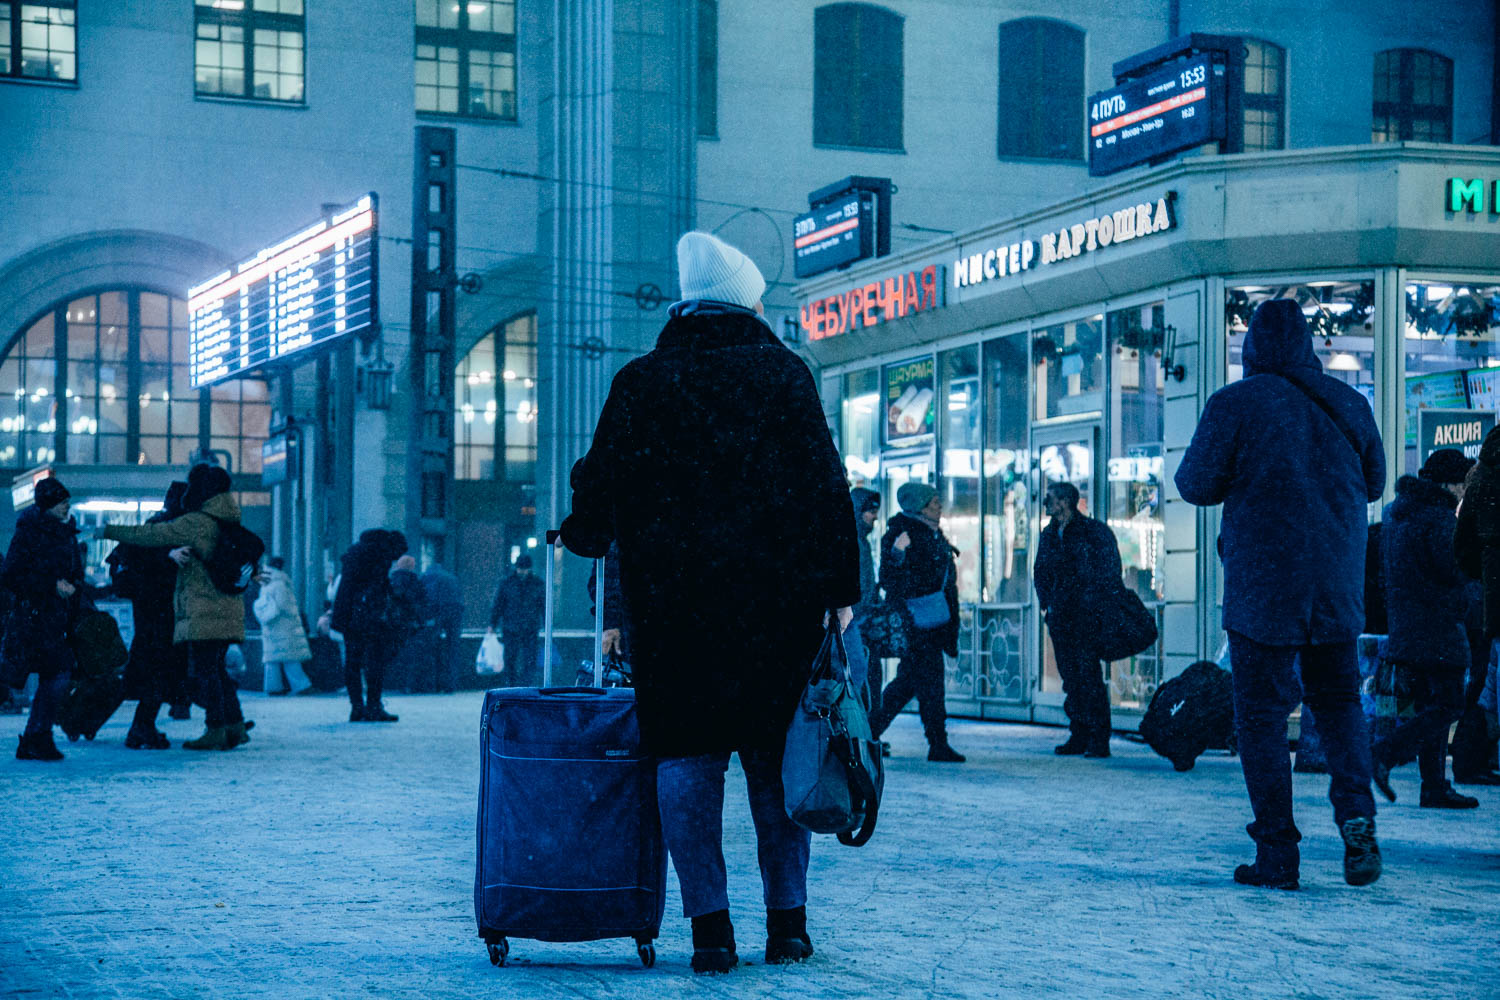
point(1427, 601)
point(517, 616)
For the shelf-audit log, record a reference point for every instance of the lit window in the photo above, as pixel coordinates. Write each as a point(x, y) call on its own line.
point(1041, 90)
point(858, 77)
point(466, 58)
point(1413, 97)
point(253, 49)
point(39, 41)
point(1265, 96)
point(495, 397)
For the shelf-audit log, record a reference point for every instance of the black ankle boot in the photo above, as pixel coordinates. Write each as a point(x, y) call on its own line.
point(38, 746)
point(786, 936)
point(713, 943)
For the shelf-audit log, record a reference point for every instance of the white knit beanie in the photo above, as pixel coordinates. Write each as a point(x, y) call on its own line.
point(709, 268)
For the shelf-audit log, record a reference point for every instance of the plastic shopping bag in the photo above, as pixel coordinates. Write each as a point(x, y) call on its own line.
point(491, 658)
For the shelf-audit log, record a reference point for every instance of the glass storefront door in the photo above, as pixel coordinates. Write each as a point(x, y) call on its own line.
point(1065, 454)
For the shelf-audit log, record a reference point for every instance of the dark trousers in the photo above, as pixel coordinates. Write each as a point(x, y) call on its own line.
point(216, 692)
point(49, 695)
point(1473, 749)
point(1265, 692)
point(175, 689)
point(920, 676)
point(523, 659)
point(1425, 735)
point(1085, 698)
point(366, 656)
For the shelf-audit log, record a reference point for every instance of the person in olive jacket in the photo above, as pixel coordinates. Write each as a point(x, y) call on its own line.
point(1077, 567)
point(916, 559)
point(713, 467)
point(44, 573)
point(1427, 600)
point(207, 619)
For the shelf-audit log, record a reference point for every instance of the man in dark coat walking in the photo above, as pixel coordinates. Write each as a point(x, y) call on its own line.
point(713, 469)
point(44, 574)
point(520, 602)
point(1077, 567)
point(1294, 456)
point(1476, 543)
point(916, 560)
point(1427, 601)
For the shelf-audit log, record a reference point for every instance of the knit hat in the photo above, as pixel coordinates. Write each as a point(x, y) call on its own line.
point(50, 492)
point(912, 497)
point(864, 499)
point(204, 483)
point(709, 268)
point(523, 561)
point(1446, 465)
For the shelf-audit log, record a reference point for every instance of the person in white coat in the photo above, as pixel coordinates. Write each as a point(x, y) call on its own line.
point(283, 640)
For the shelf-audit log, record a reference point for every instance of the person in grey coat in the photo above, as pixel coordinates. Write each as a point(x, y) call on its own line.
point(1294, 456)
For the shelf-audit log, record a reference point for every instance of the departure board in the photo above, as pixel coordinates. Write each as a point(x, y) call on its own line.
point(311, 288)
point(833, 235)
point(1171, 108)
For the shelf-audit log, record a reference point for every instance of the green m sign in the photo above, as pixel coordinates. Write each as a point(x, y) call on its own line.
point(1465, 195)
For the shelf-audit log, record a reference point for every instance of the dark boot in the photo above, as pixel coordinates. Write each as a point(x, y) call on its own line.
point(713, 943)
point(376, 712)
point(1265, 878)
point(786, 936)
point(213, 738)
point(942, 753)
point(38, 746)
point(1098, 747)
point(1362, 864)
point(153, 740)
point(1446, 798)
point(235, 734)
point(1074, 747)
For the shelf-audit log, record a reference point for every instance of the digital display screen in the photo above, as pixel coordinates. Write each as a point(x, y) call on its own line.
point(832, 235)
point(1433, 391)
point(311, 288)
point(1172, 108)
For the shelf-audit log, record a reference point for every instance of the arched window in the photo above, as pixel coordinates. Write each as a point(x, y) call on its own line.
point(102, 379)
point(1041, 90)
point(1413, 97)
point(494, 428)
point(1265, 95)
point(858, 76)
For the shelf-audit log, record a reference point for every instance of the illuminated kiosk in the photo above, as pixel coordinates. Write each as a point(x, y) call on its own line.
point(1078, 342)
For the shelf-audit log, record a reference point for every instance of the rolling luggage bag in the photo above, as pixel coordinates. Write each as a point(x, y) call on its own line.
point(89, 703)
point(1190, 713)
point(569, 837)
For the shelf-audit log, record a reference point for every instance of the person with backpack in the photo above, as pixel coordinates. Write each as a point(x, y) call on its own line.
point(365, 612)
point(147, 578)
point(43, 572)
point(214, 557)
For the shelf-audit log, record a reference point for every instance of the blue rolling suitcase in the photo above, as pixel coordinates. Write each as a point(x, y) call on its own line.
point(569, 837)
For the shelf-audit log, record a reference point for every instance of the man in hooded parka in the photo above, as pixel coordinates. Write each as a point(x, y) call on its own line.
point(1294, 456)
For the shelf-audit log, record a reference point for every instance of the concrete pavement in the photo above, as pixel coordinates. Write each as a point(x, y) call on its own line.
point(330, 860)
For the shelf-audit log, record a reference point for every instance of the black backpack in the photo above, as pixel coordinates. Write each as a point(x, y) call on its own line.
point(236, 557)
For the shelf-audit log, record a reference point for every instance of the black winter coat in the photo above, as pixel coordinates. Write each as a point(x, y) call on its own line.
point(1294, 491)
point(1076, 570)
point(713, 468)
point(520, 602)
point(1426, 594)
point(146, 577)
point(1376, 620)
point(40, 622)
point(364, 606)
point(927, 565)
point(1476, 541)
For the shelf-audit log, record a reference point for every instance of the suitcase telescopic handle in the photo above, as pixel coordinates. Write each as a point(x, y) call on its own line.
point(553, 537)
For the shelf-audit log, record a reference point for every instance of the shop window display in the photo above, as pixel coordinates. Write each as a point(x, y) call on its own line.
point(958, 469)
point(1007, 460)
point(859, 433)
point(1340, 314)
point(1451, 337)
point(1069, 360)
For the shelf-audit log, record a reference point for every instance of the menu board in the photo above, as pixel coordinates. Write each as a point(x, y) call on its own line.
point(1433, 391)
point(1484, 388)
point(910, 401)
point(313, 287)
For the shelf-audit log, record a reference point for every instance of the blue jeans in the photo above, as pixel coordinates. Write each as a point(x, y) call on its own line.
point(690, 794)
point(1266, 689)
point(49, 695)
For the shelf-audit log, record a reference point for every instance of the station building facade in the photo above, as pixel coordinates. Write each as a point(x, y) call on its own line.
point(1078, 342)
point(148, 146)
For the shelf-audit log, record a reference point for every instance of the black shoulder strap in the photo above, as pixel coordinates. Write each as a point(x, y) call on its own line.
point(1330, 412)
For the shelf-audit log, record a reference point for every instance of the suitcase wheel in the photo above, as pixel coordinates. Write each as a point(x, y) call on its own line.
point(647, 951)
point(74, 737)
point(498, 952)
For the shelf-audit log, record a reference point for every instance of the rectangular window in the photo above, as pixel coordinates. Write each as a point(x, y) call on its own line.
point(1069, 364)
point(495, 417)
point(466, 58)
point(708, 69)
point(1265, 96)
point(39, 41)
point(1452, 337)
point(959, 461)
point(252, 49)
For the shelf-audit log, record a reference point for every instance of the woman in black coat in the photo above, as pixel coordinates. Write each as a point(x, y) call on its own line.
point(44, 573)
point(916, 559)
point(1427, 602)
point(364, 610)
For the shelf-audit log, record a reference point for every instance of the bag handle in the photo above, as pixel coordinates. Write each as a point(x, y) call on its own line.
point(833, 638)
point(862, 787)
